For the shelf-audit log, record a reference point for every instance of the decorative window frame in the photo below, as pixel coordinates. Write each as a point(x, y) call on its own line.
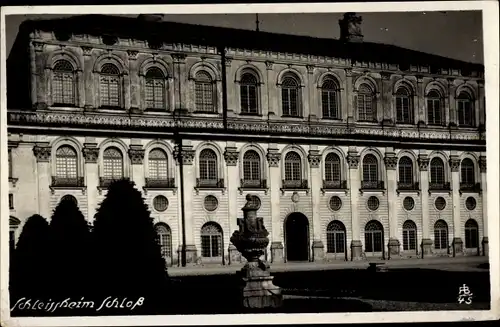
point(412, 95)
point(215, 75)
point(444, 102)
point(380, 167)
point(80, 163)
point(263, 165)
point(124, 92)
point(339, 90)
point(78, 82)
point(254, 70)
point(466, 88)
point(344, 168)
point(447, 172)
point(475, 162)
point(291, 72)
point(172, 167)
point(370, 81)
point(169, 83)
point(415, 168)
point(120, 145)
point(221, 164)
point(305, 171)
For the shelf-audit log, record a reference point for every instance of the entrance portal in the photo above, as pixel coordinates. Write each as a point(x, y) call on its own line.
point(297, 237)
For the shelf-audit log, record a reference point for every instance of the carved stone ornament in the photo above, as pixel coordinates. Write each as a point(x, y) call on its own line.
point(423, 163)
point(179, 57)
point(42, 153)
point(136, 156)
point(454, 163)
point(482, 164)
point(295, 197)
point(90, 153)
point(229, 60)
point(310, 69)
point(38, 46)
point(87, 51)
point(187, 156)
point(391, 162)
point(132, 54)
point(273, 158)
point(385, 75)
point(314, 158)
point(231, 157)
point(420, 78)
point(353, 161)
point(269, 65)
point(348, 72)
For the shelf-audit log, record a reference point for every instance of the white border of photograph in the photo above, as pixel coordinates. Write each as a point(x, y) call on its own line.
point(491, 64)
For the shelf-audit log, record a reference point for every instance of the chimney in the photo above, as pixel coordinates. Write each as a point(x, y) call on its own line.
point(151, 17)
point(350, 28)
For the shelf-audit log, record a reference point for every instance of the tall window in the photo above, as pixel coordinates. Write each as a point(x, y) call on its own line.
point(329, 99)
point(211, 240)
point(374, 237)
point(293, 167)
point(66, 162)
point(208, 166)
point(404, 109)
point(409, 236)
point(405, 167)
point(365, 104)
point(335, 237)
point(158, 164)
point(471, 234)
point(465, 110)
point(112, 160)
point(164, 239)
point(434, 110)
point(155, 89)
point(290, 97)
point(10, 163)
point(204, 91)
point(437, 171)
point(370, 168)
point(251, 166)
point(110, 86)
point(63, 83)
point(332, 168)
point(467, 171)
point(440, 235)
point(248, 91)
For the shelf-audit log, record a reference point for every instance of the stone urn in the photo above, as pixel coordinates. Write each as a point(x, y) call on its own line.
point(251, 240)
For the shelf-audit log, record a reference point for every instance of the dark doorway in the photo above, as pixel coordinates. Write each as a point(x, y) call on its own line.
point(297, 237)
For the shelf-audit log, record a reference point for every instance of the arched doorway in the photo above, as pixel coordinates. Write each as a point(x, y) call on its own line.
point(297, 237)
point(374, 239)
point(472, 237)
point(336, 243)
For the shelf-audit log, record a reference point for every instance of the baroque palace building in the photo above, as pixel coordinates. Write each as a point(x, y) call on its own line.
point(351, 149)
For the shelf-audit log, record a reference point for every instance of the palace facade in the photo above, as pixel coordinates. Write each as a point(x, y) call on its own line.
point(351, 149)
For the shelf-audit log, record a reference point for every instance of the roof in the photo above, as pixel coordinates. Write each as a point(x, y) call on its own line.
point(172, 32)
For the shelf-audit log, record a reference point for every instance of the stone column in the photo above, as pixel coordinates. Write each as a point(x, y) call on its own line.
point(310, 107)
point(452, 112)
point(387, 114)
point(317, 246)
point(185, 155)
point(135, 90)
point(88, 78)
point(354, 186)
point(136, 154)
point(484, 197)
point(271, 90)
point(273, 158)
point(391, 162)
point(457, 222)
point(421, 100)
point(42, 152)
point(351, 111)
point(180, 81)
point(423, 163)
point(91, 155)
point(231, 157)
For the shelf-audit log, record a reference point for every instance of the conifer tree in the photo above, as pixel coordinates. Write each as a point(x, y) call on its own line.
point(127, 257)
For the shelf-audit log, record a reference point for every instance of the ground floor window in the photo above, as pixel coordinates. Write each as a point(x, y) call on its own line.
point(409, 236)
point(335, 237)
point(440, 235)
point(211, 240)
point(471, 234)
point(374, 237)
point(164, 239)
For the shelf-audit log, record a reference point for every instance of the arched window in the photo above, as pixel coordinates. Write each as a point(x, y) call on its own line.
point(471, 234)
point(441, 235)
point(155, 89)
point(366, 104)
point(164, 240)
point(211, 240)
point(112, 160)
point(434, 110)
point(69, 198)
point(409, 236)
point(465, 109)
point(293, 167)
point(405, 168)
point(157, 165)
point(332, 168)
point(290, 97)
point(248, 94)
point(370, 169)
point(404, 108)
point(63, 84)
point(204, 92)
point(66, 163)
point(251, 168)
point(208, 167)
point(110, 86)
point(437, 171)
point(330, 99)
point(374, 237)
point(467, 171)
point(335, 237)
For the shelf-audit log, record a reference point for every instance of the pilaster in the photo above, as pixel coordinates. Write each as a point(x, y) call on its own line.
point(134, 81)
point(91, 155)
point(310, 109)
point(88, 78)
point(314, 158)
point(484, 196)
point(42, 152)
point(38, 76)
point(388, 116)
point(273, 159)
point(391, 162)
point(272, 95)
point(457, 222)
point(480, 103)
point(350, 97)
point(180, 81)
point(354, 186)
point(453, 117)
point(136, 155)
point(421, 99)
point(423, 164)
point(231, 157)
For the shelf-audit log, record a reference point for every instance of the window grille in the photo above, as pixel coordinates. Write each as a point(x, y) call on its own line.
point(335, 237)
point(66, 162)
point(440, 235)
point(409, 236)
point(293, 167)
point(210, 203)
point(290, 97)
point(204, 92)
point(211, 240)
point(434, 110)
point(110, 86)
point(374, 237)
point(112, 164)
point(160, 203)
point(332, 168)
point(373, 203)
point(470, 203)
point(335, 203)
point(409, 203)
point(70, 198)
point(440, 203)
point(155, 89)
point(63, 83)
point(329, 99)
point(365, 103)
point(158, 165)
point(248, 94)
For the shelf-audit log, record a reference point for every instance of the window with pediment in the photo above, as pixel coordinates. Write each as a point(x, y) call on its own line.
point(155, 89)
point(290, 96)
point(249, 93)
point(204, 92)
point(404, 108)
point(434, 108)
point(110, 86)
point(365, 103)
point(63, 84)
point(330, 99)
point(112, 160)
point(465, 108)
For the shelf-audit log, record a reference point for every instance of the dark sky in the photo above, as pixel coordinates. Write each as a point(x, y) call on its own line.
point(453, 34)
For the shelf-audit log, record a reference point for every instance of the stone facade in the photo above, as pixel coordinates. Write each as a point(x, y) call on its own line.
point(366, 202)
